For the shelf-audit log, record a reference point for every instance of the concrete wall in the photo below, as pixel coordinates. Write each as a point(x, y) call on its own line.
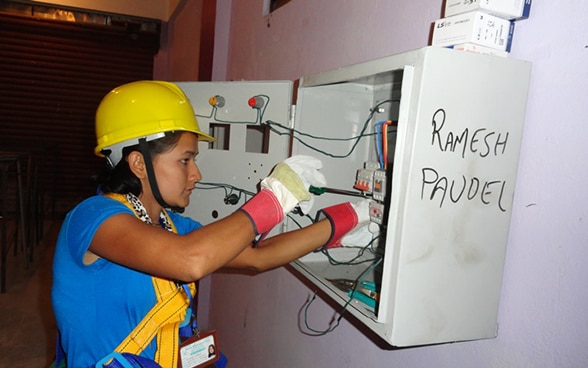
point(542, 317)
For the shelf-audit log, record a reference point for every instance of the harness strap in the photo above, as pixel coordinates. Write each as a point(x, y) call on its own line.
point(163, 320)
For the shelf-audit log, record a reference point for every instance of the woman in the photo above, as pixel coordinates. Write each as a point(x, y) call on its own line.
point(122, 254)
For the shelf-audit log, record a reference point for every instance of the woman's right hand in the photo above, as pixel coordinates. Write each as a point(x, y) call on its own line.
point(285, 188)
point(291, 179)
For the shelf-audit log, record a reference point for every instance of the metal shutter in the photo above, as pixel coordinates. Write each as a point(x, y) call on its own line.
point(53, 75)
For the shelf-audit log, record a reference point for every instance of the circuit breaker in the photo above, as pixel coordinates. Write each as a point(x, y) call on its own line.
point(430, 137)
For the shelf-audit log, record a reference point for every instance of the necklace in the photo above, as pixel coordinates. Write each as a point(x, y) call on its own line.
point(142, 214)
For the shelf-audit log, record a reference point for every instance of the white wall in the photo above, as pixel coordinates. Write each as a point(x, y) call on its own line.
point(543, 313)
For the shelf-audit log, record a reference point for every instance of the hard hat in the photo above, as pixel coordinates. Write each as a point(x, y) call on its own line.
point(142, 109)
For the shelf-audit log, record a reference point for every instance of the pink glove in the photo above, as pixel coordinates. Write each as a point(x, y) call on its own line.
point(344, 217)
point(285, 188)
point(264, 211)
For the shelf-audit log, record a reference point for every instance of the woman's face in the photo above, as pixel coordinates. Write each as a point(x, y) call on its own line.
point(176, 171)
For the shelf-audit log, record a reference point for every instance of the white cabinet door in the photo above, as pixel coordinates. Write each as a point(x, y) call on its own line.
point(451, 182)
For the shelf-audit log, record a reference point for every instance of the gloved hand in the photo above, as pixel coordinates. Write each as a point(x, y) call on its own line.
point(361, 236)
point(285, 188)
point(291, 179)
point(344, 218)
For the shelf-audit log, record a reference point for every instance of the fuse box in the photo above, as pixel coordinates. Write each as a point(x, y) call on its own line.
point(431, 138)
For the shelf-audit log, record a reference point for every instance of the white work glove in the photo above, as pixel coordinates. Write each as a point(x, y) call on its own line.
point(291, 179)
point(284, 189)
point(362, 210)
point(350, 224)
point(363, 233)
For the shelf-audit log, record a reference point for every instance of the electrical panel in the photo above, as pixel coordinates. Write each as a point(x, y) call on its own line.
point(430, 138)
point(245, 150)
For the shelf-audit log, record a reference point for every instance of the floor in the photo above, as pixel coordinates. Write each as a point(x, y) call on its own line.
point(27, 325)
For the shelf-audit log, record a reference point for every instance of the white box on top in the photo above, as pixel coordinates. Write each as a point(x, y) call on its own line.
point(507, 9)
point(474, 27)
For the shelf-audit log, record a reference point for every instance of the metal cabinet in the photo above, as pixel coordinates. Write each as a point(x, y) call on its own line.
point(447, 155)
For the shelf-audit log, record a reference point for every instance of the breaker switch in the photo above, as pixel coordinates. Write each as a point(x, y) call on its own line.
point(372, 180)
point(362, 185)
point(379, 190)
point(364, 180)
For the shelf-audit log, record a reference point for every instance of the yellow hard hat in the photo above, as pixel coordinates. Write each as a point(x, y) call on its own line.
point(142, 109)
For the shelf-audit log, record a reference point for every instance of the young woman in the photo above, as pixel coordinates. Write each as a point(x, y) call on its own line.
point(122, 257)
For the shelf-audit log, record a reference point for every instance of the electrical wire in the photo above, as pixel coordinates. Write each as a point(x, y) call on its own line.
point(356, 139)
point(382, 147)
point(354, 260)
point(296, 134)
point(385, 142)
point(335, 321)
point(271, 122)
point(230, 189)
point(225, 187)
point(378, 128)
point(212, 113)
point(259, 113)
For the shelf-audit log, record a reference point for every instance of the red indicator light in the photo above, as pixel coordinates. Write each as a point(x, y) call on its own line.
point(255, 102)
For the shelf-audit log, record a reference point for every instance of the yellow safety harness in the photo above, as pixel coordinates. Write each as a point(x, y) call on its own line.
point(164, 319)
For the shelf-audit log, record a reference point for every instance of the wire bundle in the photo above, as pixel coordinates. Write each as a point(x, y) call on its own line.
point(381, 128)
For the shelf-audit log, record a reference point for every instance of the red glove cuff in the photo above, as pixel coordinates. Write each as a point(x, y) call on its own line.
point(343, 219)
point(264, 211)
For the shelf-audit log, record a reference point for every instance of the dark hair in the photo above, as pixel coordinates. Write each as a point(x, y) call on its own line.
point(121, 179)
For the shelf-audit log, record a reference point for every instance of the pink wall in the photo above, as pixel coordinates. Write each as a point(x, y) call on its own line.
point(542, 319)
point(179, 52)
point(307, 36)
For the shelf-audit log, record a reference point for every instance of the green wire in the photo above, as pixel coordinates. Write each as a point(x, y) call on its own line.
point(357, 138)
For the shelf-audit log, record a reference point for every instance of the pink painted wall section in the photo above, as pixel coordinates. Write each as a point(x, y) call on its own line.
point(308, 36)
point(186, 34)
point(179, 53)
point(542, 319)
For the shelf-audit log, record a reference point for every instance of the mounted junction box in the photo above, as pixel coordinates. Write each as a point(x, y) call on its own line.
point(447, 173)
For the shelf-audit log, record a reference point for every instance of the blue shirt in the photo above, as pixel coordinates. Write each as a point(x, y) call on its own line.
point(96, 306)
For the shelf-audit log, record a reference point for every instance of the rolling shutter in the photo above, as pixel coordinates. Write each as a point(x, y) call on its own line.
point(53, 75)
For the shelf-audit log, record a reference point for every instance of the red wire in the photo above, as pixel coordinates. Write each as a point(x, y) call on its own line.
point(385, 141)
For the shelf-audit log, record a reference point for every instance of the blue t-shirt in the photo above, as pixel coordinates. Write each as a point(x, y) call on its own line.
point(96, 306)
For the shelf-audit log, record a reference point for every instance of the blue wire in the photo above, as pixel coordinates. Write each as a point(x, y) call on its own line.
point(379, 142)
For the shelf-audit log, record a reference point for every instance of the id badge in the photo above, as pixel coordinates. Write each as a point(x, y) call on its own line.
point(199, 351)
